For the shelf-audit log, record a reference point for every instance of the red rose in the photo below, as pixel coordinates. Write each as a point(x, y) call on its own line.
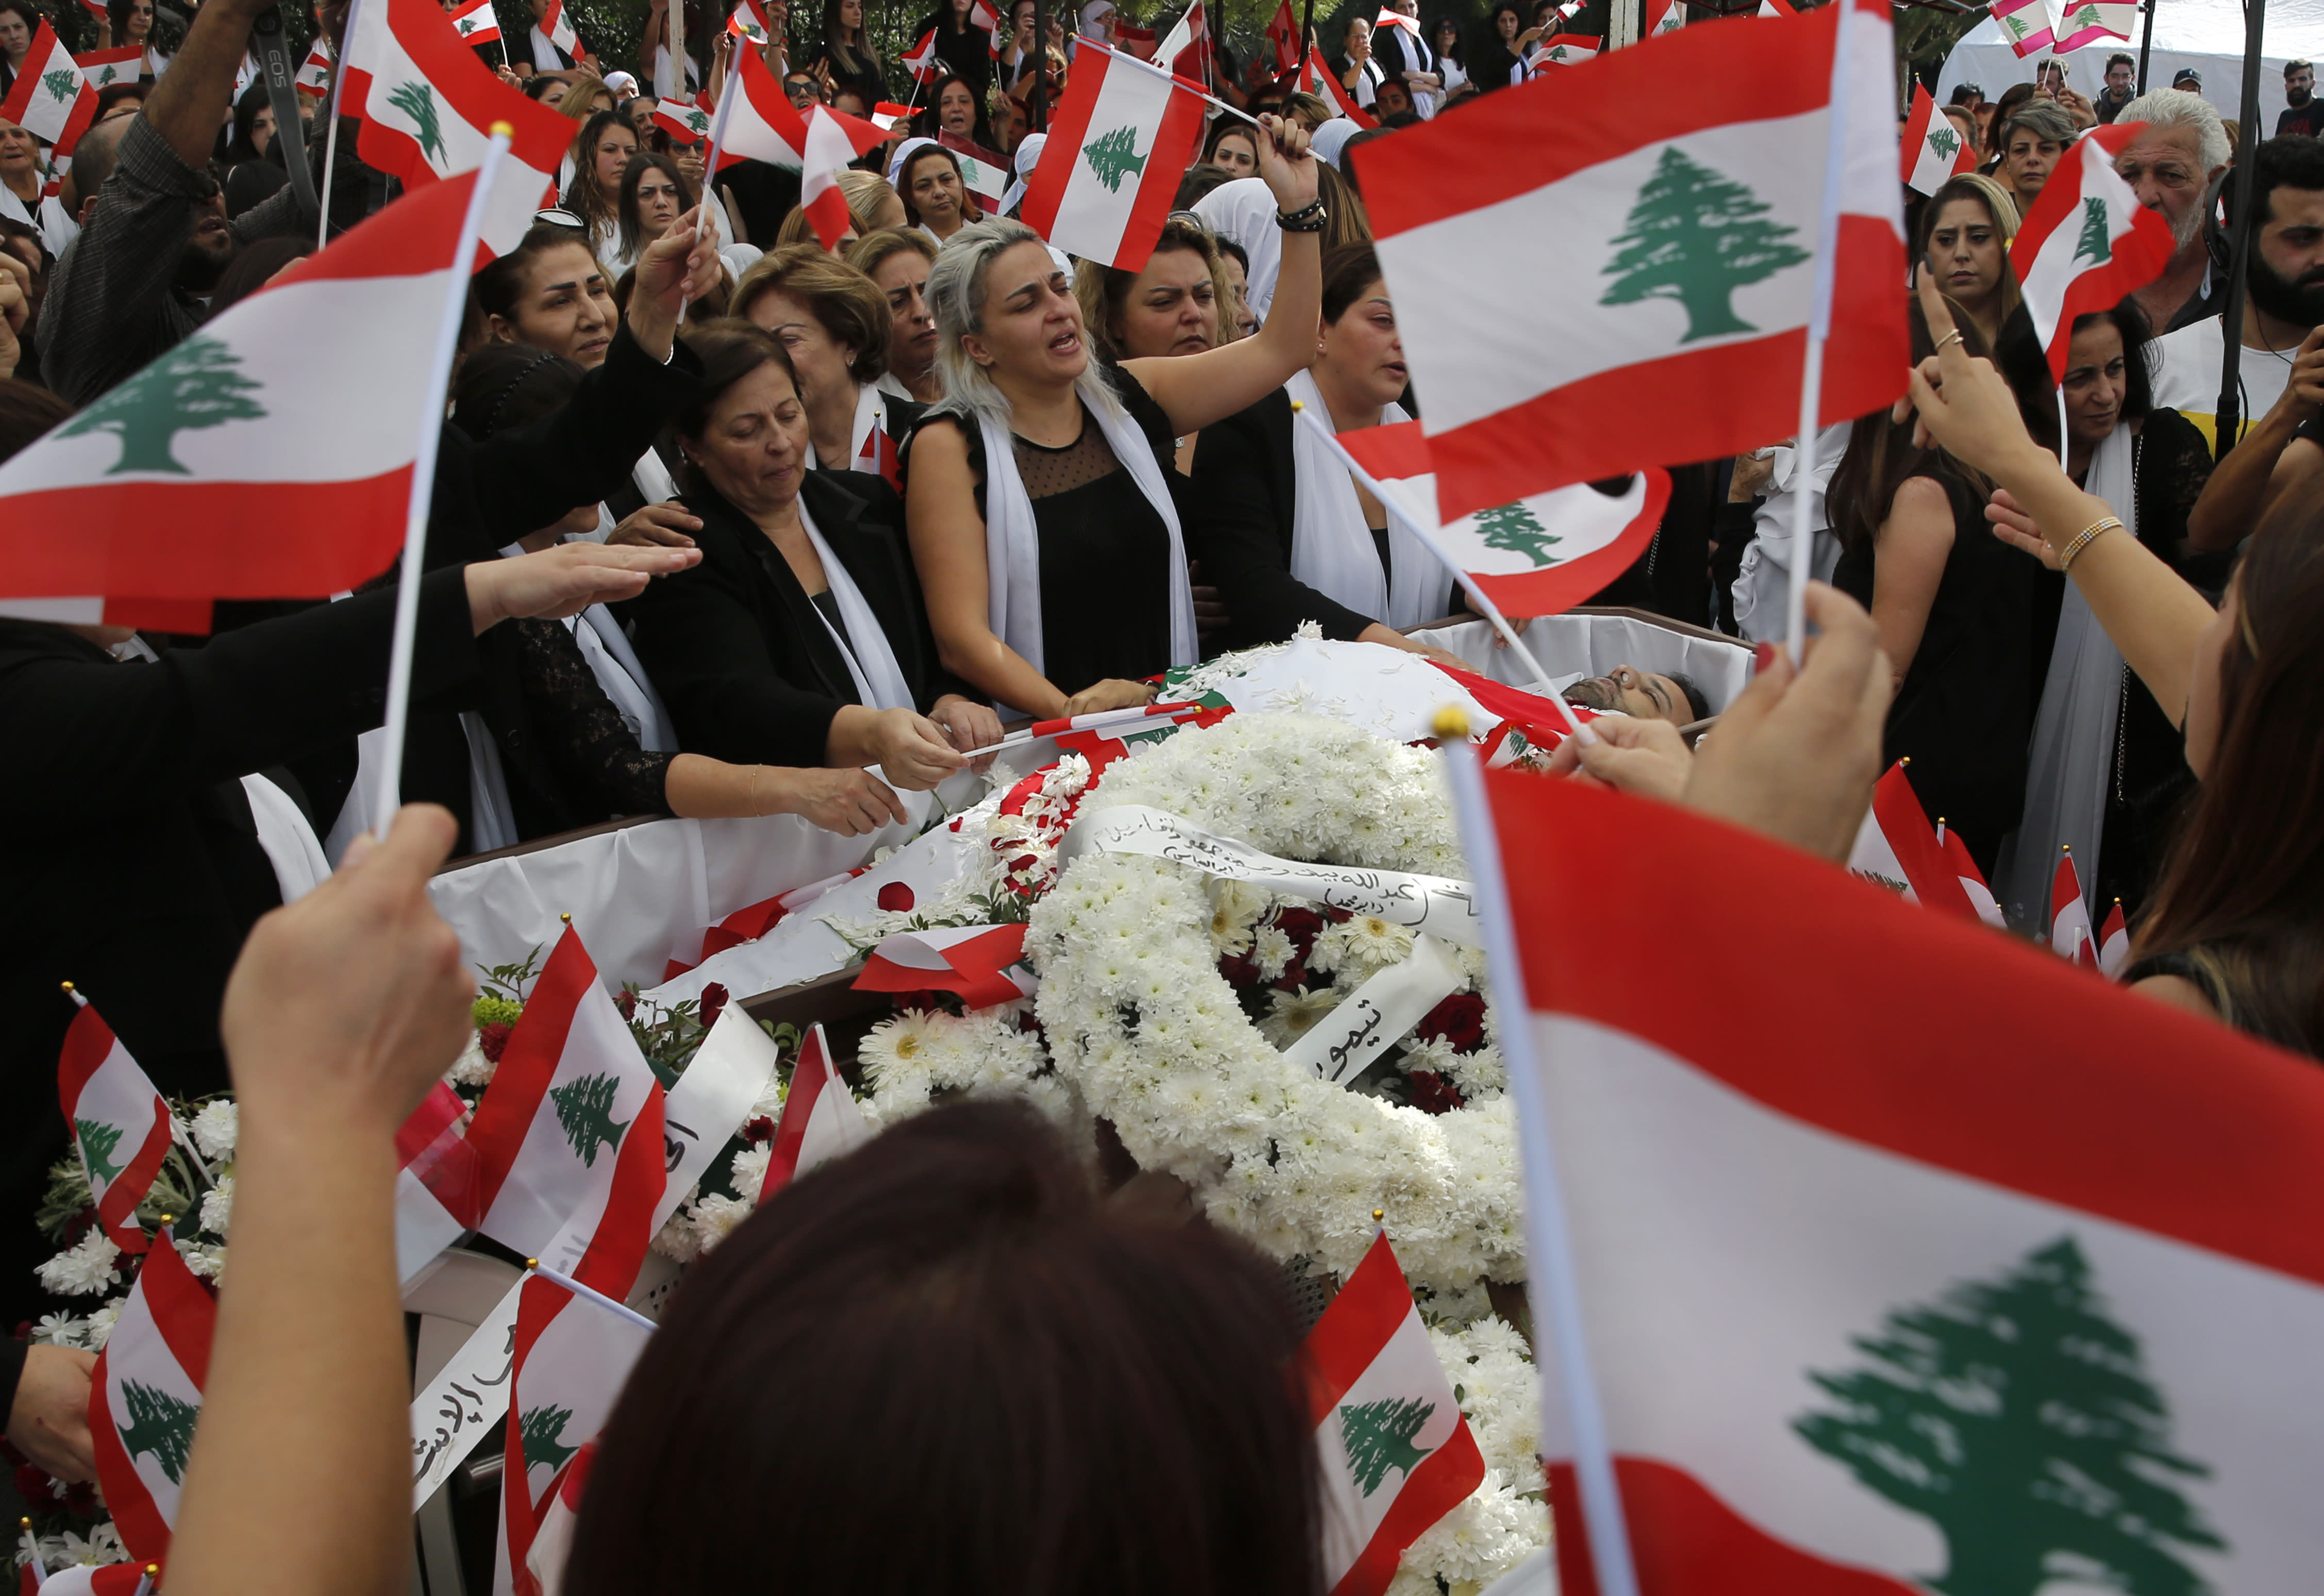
point(1432, 1094)
point(1302, 925)
point(1459, 1019)
point(494, 1037)
point(758, 1128)
point(714, 999)
point(626, 1002)
point(895, 897)
point(1239, 969)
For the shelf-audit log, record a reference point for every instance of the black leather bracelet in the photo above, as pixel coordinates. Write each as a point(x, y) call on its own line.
point(1307, 218)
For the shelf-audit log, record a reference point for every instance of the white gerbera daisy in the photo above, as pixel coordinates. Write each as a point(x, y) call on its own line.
point(908, 1043)
point(1292, 1014)
point(82, 1269)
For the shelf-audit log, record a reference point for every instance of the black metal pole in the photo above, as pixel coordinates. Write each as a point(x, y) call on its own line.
point(1040, 66)
point(2229, 412)
point(1306, 35)
point(2146, 43)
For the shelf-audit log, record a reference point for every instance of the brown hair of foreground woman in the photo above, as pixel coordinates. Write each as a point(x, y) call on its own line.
point(945, 1365)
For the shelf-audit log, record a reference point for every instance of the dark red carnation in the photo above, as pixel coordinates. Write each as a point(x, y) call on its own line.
point(1239, 969)
point(493, 1037)
point(895, 898)
point(1459, 1019)
point(1302, 925)
point(1432, 1094)
point(626, 1001)
point(80, 1500)
point(757, 1128)
point(714, 999)
point(33, 1484)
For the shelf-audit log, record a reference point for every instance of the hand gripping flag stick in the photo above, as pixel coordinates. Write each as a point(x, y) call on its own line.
point(1819, 326)
point(1484, 605)
point(423, 479)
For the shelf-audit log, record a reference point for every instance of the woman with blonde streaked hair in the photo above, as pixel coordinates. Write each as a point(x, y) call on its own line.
point(832, 321)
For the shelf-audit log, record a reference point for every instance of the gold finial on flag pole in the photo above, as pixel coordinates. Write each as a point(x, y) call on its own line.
point(1452, 722)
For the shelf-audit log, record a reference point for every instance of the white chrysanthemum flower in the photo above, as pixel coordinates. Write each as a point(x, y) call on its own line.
point(769, 1103)
point(1272, 949)
point(205, 1259)
point(1313, 631)
point(101, 1323)
point(1292, 1014)
point(676, 1240)
point(82, 1269)
point(102, 1547)
point(716, 1216)
point(59, 1330)
point(218, 1206)
point(748, 1171)
point(472, 1068)
point(1424, 1053)
point(217, 1128)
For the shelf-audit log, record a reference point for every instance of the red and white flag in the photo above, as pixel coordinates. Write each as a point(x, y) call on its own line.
point(2087, 241)
point(314, 79)
point(1282, 35)
point(1897, 848)
point(877, 457)
point(887, 114)
point(557, 29)
point(428, 106)
point(977, 962)
point(2113, 943)
point(922, 61)
point(53, 99)
point(1950, 1270)
point(476, 22)
point(1971, 879)
point(748, 22)
point(145, 1395)
point(1665, 16)
point(1688, 225)
point(2070, 915)
point(120, 1126)
point(1389, 17)
point(1181, 50)
point(1133, 40)
point(820, 1121)
point(830, 141)
point(760, 122)
point(1931, 151)
point(568, 1137)
point(151, 490)
point(687, 123)
point(573, 1355)
point(2027, 24)
point(1567, 50)
point(439, 1183)
point(2093, 21)
point(1120, 138)
point(985, 172)
point(1537, 555)
point(104, 67)
point(1316, 77)
point(91, 1579)
point(1396, 1450)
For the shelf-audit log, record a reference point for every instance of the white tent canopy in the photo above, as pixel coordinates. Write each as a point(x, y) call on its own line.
point(2205, 34)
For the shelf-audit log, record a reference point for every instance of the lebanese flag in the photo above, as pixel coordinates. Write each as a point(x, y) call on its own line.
point(1777, 8)
point(887, 114)
point(1119, 141)
point(761, 124)
point(1951, 1270)
point(1133, 40)
point(314, 78)
point(568, 1137)
point(687, 123)
point(476, 22)
point(922, 61)
point(1567, 50)
point(428, 106)
point(2070, 916)
point(144, 1396)
point(104, 67)
point(820, 1121)
point(120, 1126)
point(748, 22)
point(53, 99)
point(1391, 18)
point(2028, 24)
point(1686, 224)
point(1537, 555)
point(439, 1182)
point(573, 1355)
point(1665, 16)
point(223, 470)
point(877, 457)
point(1971, 879)
point(981, 14)
point(1316, 77)
point(829, 141)
point(1933, 152)
point(560, 1521)
point(1896, 848)
point(1282, 35)
point(87, 1579)
point(2088, 242)
point(2113, 943)
point(972, 961)
point(984, 171)
point(2095, 21)
point(1396, 1450)
point(557, 29)
point(1182, 48)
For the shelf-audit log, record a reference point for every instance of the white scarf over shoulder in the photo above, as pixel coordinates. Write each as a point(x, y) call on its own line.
point(1332, 548)
point(870, 661)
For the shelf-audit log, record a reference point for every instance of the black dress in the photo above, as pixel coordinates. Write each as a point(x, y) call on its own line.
point(968, 52)
point(1966, 707)
point(569, 757)
point(864, 79)
point(1105, 550)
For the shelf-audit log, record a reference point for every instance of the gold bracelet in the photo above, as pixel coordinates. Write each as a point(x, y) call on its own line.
point(2066, 556)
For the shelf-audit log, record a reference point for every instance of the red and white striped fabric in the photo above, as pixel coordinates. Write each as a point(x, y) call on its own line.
point(1120, 140)
point(2113, 943)
point(1110, 719)
point(820, 1121)
point(2094, 21)
point(877, 457)
point(1396, 1450)
point(568, 1137)
point(1971, 879)
point(1316, 77)
point(2087, 241)
point(748, 22)
point(476, 22)
point(560, 1520)
point(760, 122)
point(104, 67)
point(1931, 151)
point(1133, 40)
point(53, 99)
point(225, 469)
point(981, 14)
point(573, 1356)
point(428, 106)
point(1688, 226)
point(922, 61)
point(86, 1579)
point(1182, 49)
point(1537, 556)
point(1948, 1260)
point(1567, 50)
point(985, 172)
point(1389, 17)
point(314, 78)
point(831, 141)
point(557, 29)
point(2070, 915)
point(975, 961)
point(1282, 34)
point(120, 1125)
point(1665, 16)
point(687, 123)
point(887, 114)
point(437, 1182)
point(1897, 848)
point(144, 1396)
point(2027, 24)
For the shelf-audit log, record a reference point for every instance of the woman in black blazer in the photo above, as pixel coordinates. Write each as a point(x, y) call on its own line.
point(801, 639)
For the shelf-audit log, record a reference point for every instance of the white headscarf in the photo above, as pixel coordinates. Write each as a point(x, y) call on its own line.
point(1331, 138)
point(1094, 15)
point(904, 153)
point(1332, 548)
point(1028, 156)
point(1244, 210)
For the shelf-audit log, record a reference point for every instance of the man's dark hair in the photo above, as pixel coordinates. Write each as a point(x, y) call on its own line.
point(2120, 59)
point(2298, 65)
point(1966, 93)
point(1698, 707)
point(2291, 160)
point(1200, 180)
point(94, 158)
point(26, 411)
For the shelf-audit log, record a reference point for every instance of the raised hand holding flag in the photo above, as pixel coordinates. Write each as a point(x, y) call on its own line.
point(1121, 138)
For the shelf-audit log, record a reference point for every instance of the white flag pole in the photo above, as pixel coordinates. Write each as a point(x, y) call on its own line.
point(727, 93)
point(1553, 1283)
point(1427, 535)
point(331, 120)
point(30, 1547)
point(423, 483)
point(1835, 158)
point(599, 1297)
point(2061, 431)
point(1184, 87)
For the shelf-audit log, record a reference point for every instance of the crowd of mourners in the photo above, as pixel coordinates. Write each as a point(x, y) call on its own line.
point(728, 524)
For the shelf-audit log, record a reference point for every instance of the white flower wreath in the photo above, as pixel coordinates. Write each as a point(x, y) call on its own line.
point(1139, 1021)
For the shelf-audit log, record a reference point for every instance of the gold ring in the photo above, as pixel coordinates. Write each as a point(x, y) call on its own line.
point(1953, 337)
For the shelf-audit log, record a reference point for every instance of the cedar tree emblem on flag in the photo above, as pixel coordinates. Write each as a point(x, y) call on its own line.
point(60, 84)
point(1379, 1437)
point(97, 1140)
point(1696, 236)
point(543, 1432)
point(585, 1112)
point(417, 101)
point(2096, 244)
point(1516, 529)
point(1944, 140)
point(1114, 157)
point(160, 1424)
point(2017, 1417)
point(193, 387)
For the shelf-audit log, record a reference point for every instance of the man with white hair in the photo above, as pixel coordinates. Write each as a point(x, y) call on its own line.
point(2175, 164)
